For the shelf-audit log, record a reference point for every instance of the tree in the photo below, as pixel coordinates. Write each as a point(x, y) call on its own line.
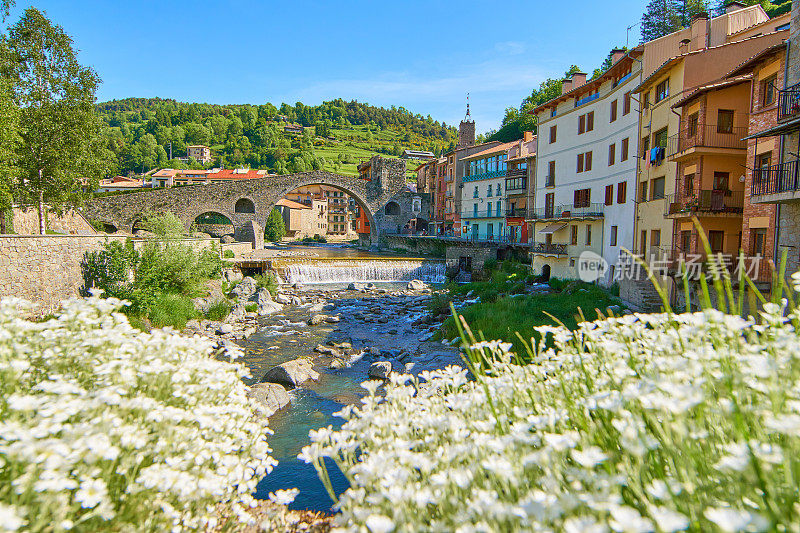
point(607, 64)
point(60, 156)
point(275, 229)
point(662, 17)
point(9, 139)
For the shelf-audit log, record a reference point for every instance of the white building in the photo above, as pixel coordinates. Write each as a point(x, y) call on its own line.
point(586, 170)
point(483, 195)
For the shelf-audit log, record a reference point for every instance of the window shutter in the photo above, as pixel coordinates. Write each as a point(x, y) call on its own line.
point(588, 160)
point(580, 163)
point(613, 111)
point(590, 121)
point(581, 124)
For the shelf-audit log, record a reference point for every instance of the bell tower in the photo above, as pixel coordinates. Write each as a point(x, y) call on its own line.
point(466, 130)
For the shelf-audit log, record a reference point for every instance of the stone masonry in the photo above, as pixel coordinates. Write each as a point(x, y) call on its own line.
point(385, 184)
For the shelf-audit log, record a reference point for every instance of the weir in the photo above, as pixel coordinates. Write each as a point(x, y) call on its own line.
point(359, 270)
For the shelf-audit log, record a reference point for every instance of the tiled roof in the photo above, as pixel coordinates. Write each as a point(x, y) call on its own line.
point(494, 150)
point(291, 204)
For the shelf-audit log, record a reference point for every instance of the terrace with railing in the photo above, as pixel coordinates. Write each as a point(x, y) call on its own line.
point(549, 248)
point(704, 202)
point(708, 136)
point(484, 213)
point(775, 179)
point(594, 210)
point(789, 102)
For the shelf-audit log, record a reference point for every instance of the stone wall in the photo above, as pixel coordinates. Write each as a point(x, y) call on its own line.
point(46, 269)
point(477, 252)
point(240, 250)
point(26, 222)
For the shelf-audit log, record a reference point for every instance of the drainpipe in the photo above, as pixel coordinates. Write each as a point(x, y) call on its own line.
point(775, 258)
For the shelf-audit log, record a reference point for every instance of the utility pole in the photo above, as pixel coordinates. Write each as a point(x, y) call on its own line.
point(170, 150)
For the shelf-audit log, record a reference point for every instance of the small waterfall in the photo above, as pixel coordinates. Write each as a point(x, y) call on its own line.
point(363, 271)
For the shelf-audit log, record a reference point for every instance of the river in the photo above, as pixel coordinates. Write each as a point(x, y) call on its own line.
point(382, 320)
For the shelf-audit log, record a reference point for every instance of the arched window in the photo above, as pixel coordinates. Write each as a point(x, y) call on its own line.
point(392, 208)
point(244, 205)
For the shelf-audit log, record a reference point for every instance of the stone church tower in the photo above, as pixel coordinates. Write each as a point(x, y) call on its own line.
point(466, 130)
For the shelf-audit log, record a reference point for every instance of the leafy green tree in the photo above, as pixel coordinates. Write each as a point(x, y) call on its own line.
point(607, 64)
point(274, 229)
point(9, 140)
point(60, 156)
point(662, 17)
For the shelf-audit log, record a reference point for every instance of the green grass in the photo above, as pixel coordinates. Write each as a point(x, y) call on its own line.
point(218, 311)
point(267, 281)
point(171, 310)
point(251, 307)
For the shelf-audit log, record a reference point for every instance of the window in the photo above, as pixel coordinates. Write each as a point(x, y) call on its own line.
point(474, 210)
point(716, 239)
point(609, 194)
point(475, 192)
point(488, 209)
point(646, 100)
point(643, 242)
point(586, 122)
point(489, 230)
point(612, 149)
point(588, 235)
point(582, 197)
point(660, 138)
point(626, 103)
point(758, 238)
point(553, 133)
point(622, 192)
point(725, 121)
point(662, 90)
point(655, 237)
point(574, 237)
point(580, 163)
point(764, 160)
point(588, 161)
point(551, 174)
point(645, 146)
point(623, 149)
point(613, 111)
point(552, 112)
point(691, 125)
point(686, 241)
point(768, 90)
point(657, 188)
point(499, 207)
point(613, 241)
point(572, 261)
point(549, 202)
point(688, 185)
point(499, 190)
point(721, 181)
point(643, 192)
point(581, 124)
point(489, 190)
point(590, 121)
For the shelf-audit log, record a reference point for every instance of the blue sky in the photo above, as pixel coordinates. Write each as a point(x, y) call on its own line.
point(422, 55)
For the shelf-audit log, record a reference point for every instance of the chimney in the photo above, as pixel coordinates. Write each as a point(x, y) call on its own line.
point(578, 79)
point(566, 85)
point(730, 7)
point(683, 47)
point(699, 31)
point(616, 55)
point(527, 136)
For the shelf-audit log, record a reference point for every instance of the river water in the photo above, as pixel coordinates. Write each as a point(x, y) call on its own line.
point(368, 320)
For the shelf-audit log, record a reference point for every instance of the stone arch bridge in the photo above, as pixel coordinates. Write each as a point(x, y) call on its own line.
point(247, 203)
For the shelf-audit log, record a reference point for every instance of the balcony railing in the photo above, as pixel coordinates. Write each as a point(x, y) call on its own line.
point(789, 102)
point(708, 136)
point(775, 179)
point(514, 211)
point(505, 173)
point(568, 211)
point(484, 213)
point(549, 181)
point(705, 201)
point(549, 248)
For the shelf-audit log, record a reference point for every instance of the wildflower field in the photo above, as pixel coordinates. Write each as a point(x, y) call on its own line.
point(646, 422)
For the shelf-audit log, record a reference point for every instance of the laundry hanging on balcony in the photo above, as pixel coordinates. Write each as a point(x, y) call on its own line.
point(657, 155)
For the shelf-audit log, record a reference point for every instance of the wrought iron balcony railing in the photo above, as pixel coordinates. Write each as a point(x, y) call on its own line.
point(549, 248)
point(484, 213)
point(708, 136)
point(594, 210)
point(789, 102)
point(706, 201)
point(775, 179)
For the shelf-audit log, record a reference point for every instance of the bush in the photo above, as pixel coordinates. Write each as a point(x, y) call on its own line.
point(490, 295)
point(171, 310)
point(106, 428)
point(614, 289)
point(251, 307)
point(274, 229)
point(439, 305)
point(267, 281)
point(517, 288)
point(490, 264)
point(164, 224)
point(228, 254)
point(558, 284)
point(659, 422)
point(219, 310)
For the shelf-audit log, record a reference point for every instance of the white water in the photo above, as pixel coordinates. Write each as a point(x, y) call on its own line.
point(364, 271)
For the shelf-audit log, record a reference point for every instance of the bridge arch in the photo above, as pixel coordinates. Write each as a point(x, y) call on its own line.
point(244, 205)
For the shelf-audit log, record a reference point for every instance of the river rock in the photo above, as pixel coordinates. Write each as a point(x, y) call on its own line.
point(316, 308)
point(328, 350)
point(370, 286)
point(245, 288)
point(282, 298)
point(270, 396)
point(380, 370)
point(416, 285)
point(355, 286)
point(316, 320)
point(237, 313)
point(224, 329)
point(332, 319)
point(291, 373)
point(337, 364)
point(269, 307)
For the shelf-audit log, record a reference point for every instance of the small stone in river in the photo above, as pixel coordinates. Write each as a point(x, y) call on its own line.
point(321, 348)
point(224, 329)
point(316, 320)
point(380, 370)
point(416, 285)
point(332, 319)
point(392, 332)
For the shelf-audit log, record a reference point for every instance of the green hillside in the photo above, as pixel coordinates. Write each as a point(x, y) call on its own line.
point(337, 135)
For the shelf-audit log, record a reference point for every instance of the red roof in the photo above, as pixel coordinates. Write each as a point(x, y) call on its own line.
point(291, 204)
point(235, 174)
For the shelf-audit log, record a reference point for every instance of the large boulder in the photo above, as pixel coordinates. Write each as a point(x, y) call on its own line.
point(232, 275)
point(416, 285)
point(265, 304)
point(245, 288)
point(283, 299)
point(380, 370)
point(269, 396)
point(237, 313)
point(291, 373)
point(316, 320)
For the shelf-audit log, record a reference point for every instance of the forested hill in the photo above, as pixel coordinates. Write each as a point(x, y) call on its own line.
point(337, 134)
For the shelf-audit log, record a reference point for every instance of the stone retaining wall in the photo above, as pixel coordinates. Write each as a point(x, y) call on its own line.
point(46, 269)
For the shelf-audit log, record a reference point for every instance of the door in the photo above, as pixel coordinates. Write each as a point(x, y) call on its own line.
point(716, 239)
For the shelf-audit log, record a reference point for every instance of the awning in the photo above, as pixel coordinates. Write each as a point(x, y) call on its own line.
point(552, 228)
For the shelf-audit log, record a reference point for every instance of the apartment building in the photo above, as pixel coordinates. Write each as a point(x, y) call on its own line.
point(586, 169)
point(340, 209)
point(483, 200)
point(199, 153)
point(520, 186)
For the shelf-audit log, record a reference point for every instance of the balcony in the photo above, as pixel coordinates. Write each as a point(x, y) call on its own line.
point(549, 181)
point(775, 179)
point(708, 136)
point(506, 173)
point(515, 211)
point(789, 102)
point(484, 213)
point(704, 202)
point(543, 248)
point(568, 212)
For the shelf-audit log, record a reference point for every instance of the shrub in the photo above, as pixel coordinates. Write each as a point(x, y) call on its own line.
point(228, 254)
point(439, 305)
point(251, 307)
point(171, 310)
point(110, 269)
point(644, 422)
point(267, 281)
point(164, 224)
point(517, 288)
point(558, 284)
point(219, 310)
point(106, 428)
point(490, 295)
point(274, 229)
point(490, 264)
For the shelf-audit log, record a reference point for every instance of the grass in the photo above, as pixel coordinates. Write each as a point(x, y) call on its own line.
point(171, 310)
point(218, 311)
point(251, 307)
point(267, 281)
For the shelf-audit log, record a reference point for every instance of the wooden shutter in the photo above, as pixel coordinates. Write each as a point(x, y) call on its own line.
point(588, 161)
point(622, 192)
point(581, 124)
point(580, 163)
point(613, 111)
point(623, 156)
point(590, 121)
point(612, 149)
point(609, 194)
point(626, 103)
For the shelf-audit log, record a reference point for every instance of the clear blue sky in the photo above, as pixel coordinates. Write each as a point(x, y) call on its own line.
point(422, 55)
